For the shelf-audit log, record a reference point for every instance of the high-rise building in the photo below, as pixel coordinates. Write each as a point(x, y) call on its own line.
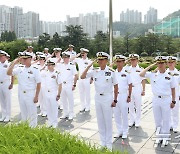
point(52, 27)
point(31, 25)
point(91, 22)
point(151, 16)
point(131, 16)
point(5, 18)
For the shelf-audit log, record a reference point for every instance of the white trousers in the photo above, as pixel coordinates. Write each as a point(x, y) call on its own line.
point(136, 100)
point(84, 92)
point(5, 99)
point(28, 107)
point(175, 115)
point(121, 114)
point(52, 108)
point(43, 101)
point(162, 113)
point(104, 119)
point(67, 100)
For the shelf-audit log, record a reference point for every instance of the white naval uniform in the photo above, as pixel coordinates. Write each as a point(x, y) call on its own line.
point(161, 88)
point(84, 84)
point(42, 96)
point(48, 55)
point(121, 109)
point(104, 81)
point(175, 110)
point(5, 93)
point(136, 98)
point(72, 53)
point(51, 90)
point(67, 73)
point(28, 78)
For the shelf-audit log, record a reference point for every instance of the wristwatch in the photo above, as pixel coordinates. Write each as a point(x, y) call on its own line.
point(174, 102)
point(115, 101)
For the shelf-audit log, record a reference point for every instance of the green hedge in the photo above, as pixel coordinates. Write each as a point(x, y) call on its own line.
point(22, 139)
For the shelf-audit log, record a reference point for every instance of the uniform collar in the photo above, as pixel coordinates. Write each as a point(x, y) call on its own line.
point(175, 70)
point(137, 66)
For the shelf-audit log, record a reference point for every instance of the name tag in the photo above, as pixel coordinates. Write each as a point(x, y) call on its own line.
point(54, 77)
point(68, 69)
point(5, 66)
point(123, 75)
point(30, 72)
point(107, 73)
point(167, 78)
point(138, 71)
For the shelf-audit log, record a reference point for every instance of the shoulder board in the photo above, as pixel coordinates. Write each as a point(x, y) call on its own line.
point(112, 70)
point(170, 73)
point(154, 71)
point(35, 67)
point(176, 74)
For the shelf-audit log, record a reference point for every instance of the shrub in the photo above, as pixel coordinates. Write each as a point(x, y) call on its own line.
point(23, 139)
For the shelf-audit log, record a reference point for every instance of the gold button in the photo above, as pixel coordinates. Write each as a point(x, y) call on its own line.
point(48, 91)
point(24, 92)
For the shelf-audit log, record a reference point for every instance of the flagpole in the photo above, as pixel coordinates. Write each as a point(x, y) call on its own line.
point(110, 31)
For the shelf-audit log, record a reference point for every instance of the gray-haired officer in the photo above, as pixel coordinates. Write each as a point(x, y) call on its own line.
point(163, 89)
point(69, 78)
point(105, 83)
point(138, 90)
point(53, 86)
point(124, 97)
point(171, 62)
point(84, 84)
point(29, 82)
point(6, 84)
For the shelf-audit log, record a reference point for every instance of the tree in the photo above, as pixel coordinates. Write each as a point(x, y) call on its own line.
point(44, 40)
point(75, 36)
point(8, 36)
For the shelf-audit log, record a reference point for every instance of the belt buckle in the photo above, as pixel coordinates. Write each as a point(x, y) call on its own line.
point(159, 96)
point(101, 94)
point(64, 82)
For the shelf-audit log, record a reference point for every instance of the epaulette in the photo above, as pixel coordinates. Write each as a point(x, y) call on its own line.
point(170, 73)
point(112, 70)
point(154, 71)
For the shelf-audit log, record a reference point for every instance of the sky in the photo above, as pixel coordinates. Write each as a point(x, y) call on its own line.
point(56, 10)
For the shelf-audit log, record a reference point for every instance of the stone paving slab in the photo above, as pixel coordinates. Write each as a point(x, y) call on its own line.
point(140, 140)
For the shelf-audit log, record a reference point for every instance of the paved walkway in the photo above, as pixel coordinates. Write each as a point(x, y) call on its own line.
point(140, 140)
